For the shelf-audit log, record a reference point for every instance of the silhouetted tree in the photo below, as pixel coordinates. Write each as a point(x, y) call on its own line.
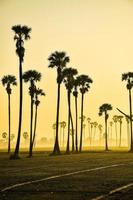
point(120, 122)
point(31, 76)
point(128, 132)
point(58, 60)
point(68, 78)
point(84, 85)
point(103, 109)
point(21, 34)
point(38, 92)
point(115, 119)
point(111, 124)
point(8, 81)
point(95, 124)
point(63, 126)
point(100, 132)
point(129, 78)
point(75, 94)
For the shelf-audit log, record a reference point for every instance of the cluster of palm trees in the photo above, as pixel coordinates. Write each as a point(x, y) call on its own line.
point(74, 84)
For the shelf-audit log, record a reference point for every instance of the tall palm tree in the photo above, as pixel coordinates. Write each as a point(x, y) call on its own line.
point(58, 60)
point(68, 78)
point(103, 109)
point(8, 81)
point(38, 92)
point(21, 34)
point(54, 128)
point(111, 125)
point(31, 76)
point(120, 122)
point(75, 94)
point(84, 85)
point(115, 119)
point(129, 78)
point(95, 124)
point(89, 128)
point(91, 132)
point(100, 132)
point(63, 125)
point(25, 136)
point(128, 132)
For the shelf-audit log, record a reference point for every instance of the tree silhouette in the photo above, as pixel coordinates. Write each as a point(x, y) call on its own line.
point(63, 126)
point(7, 82)
point(129, 78)
point(31, 76)
point(128, 132)
point(120, 122)
point(21, 34)
point(75, 94)
point(68, 79)
point(111, 125)
point(84, 85)
point(103, 109)
point(100, 132)
point(38, 92)
point(89, 128)
point(95, 124)
point(25, 136)
point(58, 60)
point(115, 119)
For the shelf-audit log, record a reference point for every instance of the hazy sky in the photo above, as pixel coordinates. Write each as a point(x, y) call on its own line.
point(96, 34)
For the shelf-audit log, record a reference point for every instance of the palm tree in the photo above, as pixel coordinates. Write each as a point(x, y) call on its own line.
point(68, 78)
point(89, 130)
point(95, 124)
point(8, 81)
point(25, 136)
point(84, 85)
point(111, 125)
point(54, 128)
point(75, 94)
point(21, 34)
point(58, 60)
point(63, 126)
point(100, 132)
point(128, 132)
point(120, 121)
point(31, 76)
point(38, 92)
point(104, 108)
point(115, 119)
point(129, 78)
point(91, 135)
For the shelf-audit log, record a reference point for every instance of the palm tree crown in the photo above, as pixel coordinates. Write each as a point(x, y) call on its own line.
point(84, 83)
point(32, 76)
point(38, 92)
point(129, 78)
point(8, 81)
point(58, 60)
point(21, 34)
point(68, 76)
point(104, 108)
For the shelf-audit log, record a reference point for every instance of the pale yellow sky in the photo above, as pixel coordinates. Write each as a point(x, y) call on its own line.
point(96, 34)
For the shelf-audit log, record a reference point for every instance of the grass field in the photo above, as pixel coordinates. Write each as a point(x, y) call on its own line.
point(79, 176)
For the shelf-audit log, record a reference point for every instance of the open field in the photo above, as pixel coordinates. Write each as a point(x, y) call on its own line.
point(69, 177)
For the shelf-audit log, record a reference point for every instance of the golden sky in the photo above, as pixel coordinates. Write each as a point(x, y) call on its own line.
point(96, 34)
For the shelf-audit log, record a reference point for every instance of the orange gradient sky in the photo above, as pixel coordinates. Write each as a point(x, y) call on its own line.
point(96, 34)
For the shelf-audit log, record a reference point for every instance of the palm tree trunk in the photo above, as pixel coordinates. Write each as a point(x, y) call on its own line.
point(131, 130)
point(16, 153)
point(106, 135)
point(72, 131)
point(56, 145)
point(76, 125)
point(68, 137)
point(116, 131)
point(120, 135)
point(9, 126)
point(81, 130)
point(35, 125)
point(31, 124)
